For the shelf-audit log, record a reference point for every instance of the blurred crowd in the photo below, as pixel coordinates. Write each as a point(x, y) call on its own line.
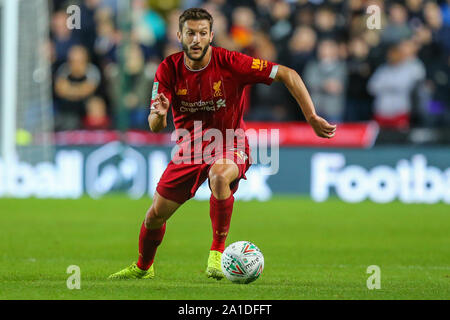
point(397, 75)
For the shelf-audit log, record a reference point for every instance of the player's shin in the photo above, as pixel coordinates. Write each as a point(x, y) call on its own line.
point(149, 240)
point(220, 213)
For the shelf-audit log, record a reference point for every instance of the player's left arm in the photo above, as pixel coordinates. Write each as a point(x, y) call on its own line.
point(297, 88)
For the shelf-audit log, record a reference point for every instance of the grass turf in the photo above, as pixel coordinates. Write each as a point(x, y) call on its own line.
point(312, 250)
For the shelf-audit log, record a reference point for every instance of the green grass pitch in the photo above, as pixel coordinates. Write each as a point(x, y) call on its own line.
point(312, 250)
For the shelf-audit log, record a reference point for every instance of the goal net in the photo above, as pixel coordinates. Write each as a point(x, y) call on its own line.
point(26, 103)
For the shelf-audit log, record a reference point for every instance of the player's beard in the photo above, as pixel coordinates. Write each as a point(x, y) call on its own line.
point(186, 50)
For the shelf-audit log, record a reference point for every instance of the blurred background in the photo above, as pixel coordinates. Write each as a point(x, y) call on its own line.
point(90, 86)
point(348, 68)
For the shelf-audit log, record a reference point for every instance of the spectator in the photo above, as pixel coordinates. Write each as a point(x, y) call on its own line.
point(440, 32)
point(149, 27)
point(301, 48)
point(172, 29)
point(337, 6)
point(326, 79)
point(445, 8)
point(96, 115)
point(415, 12)
point(437, 111)
point(105, 44)
point(136, 86)
point(263, 14)
point(281, 29)
point(439, 107)
point(355, 6)
point(268, 102)
point(221, 35)
point(75, 82)
point(430, 52)
point(112, 5)
point(359, 71)
point(397, 28)
point(304, 14)
point(420, 96)
point(220, 6)
point(325, 24)
point(392, 85)
point(87, 32)
point(63, 38)
point(243, 22)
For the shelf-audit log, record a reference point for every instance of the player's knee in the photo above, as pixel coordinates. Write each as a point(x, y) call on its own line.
point(154, 218)
point(218, 181)
point(154, 223)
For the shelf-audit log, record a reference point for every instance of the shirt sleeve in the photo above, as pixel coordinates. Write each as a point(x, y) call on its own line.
point(252, 70)
point(162, 82)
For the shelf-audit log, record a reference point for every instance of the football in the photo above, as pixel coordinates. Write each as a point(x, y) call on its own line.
point(242, 262)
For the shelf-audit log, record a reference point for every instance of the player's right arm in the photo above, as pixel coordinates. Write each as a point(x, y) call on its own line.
point(157, 119)
point(161, 98)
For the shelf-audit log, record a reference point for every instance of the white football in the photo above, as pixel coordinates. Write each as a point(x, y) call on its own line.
point(242, 262)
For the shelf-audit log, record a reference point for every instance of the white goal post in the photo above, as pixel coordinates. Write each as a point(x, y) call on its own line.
point(26, 111)
point(9, 49)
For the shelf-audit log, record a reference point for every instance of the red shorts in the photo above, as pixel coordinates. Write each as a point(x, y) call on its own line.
point(179, 182)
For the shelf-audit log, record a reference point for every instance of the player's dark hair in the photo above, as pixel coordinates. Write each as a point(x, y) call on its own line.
point(195, 14)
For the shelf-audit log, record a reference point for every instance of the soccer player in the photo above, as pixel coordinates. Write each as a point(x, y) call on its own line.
point(204, 85)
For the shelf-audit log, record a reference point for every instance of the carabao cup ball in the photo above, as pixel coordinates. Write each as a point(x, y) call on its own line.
point(242, 262)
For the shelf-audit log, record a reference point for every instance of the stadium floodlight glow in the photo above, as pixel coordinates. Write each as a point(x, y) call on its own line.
point(10, 30)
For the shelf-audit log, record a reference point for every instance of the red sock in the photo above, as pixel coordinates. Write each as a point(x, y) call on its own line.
point(220, 212)
point(149, 240)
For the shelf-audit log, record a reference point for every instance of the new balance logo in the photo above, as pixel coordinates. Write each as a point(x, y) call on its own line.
point(241, 154)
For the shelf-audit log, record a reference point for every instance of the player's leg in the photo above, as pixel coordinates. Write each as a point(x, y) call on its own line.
point(150, 237)
point(153, 229)
point(222, 173)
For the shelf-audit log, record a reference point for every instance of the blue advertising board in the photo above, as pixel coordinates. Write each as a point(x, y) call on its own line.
point(381, 174)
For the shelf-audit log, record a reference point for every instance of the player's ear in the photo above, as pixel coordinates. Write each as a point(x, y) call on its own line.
point(179, 36)
point(211, 37)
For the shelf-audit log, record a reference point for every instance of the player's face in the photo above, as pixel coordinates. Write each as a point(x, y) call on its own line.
point(195, 38)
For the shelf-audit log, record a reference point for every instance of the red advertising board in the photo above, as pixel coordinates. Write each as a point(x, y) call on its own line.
point(348, 135)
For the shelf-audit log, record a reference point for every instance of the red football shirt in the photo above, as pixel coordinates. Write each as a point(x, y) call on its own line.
point(212, 97)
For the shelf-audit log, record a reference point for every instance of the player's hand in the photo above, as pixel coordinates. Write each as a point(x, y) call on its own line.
point(160, 105)
point(322, 128)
